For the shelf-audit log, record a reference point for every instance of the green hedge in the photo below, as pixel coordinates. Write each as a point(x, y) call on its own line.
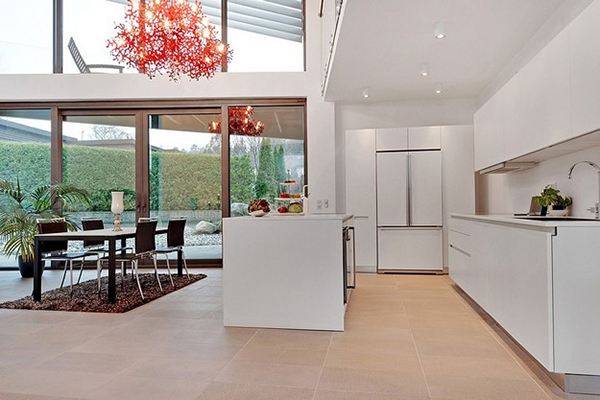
point(178, 181)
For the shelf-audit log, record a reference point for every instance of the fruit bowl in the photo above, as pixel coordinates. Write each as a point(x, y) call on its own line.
point(258, 213)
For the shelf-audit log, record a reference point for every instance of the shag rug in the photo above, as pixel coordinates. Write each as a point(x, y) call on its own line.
point(85, 295)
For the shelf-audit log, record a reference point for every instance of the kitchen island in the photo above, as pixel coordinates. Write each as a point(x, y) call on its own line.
point(284, 271)
point(539, 278)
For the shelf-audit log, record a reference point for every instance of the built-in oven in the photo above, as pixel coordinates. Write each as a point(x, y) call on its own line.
point(349, 261)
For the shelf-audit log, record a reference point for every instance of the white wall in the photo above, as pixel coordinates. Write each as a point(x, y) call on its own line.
point(367, 114)
point(320, 115)
point(511, 193)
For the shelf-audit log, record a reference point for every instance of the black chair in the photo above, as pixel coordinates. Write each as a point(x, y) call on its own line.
point(144, 248)
point(84, 67)
point(175, 242)
point(96, 247)
point(58, 250)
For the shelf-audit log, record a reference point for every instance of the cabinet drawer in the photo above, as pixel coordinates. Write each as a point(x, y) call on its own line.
point(459, 240)
point(460, 225)
point(460, 268)
point(409, 249)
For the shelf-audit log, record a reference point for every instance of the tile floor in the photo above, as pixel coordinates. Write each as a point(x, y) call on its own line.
point(407, 338)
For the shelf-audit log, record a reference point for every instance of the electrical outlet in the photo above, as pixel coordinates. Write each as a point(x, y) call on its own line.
point(319, 204)
point(326, 203)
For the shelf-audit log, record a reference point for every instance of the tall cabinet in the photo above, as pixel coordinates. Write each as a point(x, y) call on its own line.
point(395, 190)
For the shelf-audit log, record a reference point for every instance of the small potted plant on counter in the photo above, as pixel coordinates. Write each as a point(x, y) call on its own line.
point(552, 197)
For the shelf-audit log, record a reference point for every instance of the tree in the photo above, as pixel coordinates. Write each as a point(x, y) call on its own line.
point(280, 171)
point(107, 132)
point(241, 179)
point(266, 185)
point(213, 146)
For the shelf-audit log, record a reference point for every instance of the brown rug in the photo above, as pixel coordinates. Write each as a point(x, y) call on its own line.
point(85, 295)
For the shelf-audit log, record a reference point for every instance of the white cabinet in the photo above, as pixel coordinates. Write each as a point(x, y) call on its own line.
point(392, 189)
point(489, 133)
point(425, 188)
point(392, 139)
point(507, 270)
point(585, 67)
point(424, 138)
point(409, 249)
point(360, 195)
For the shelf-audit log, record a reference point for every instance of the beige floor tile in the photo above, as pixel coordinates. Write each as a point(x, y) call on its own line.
point(476, 367)
point(270, 375)
point(51, 383)
point(345, 395)
point(135, 388)
point(363, 380)
point(374, 279)
point(224, 335)
point(466, 346)
point(397, 346)
point(89, 363)
point(234, 391)
point(18, 396)
point(174, 368)
point(259, 353)
point(394, 320)
point(470, 388)
point(361, 358)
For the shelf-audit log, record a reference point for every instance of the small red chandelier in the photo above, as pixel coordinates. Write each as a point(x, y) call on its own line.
point(240, 123)
point(169, 36)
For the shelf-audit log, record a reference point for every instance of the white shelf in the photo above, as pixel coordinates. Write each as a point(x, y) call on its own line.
point(286, 214)
point(290, 198)
point(288, 183)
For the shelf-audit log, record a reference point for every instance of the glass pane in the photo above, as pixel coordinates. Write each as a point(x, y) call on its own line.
point(266, 35)
point(267, 165)
point(24, 155)
point(90, 24)
point(26, 37)
point(185, 178)
point(99, 156)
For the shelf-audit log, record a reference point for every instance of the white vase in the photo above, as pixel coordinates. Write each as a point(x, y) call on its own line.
point(559, 213)
point(117, 207)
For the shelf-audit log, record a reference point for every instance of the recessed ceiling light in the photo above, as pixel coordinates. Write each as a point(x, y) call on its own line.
point(424, 69)
point(366, 93)
point(438, 87)
point(440, 30)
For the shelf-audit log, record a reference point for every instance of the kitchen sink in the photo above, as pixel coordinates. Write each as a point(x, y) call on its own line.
point(540, 218)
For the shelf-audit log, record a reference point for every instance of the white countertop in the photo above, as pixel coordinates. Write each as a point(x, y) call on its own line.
point(548, 223)
point(305, 217)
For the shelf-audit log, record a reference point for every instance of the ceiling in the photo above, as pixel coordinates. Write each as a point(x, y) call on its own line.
point(383, 46)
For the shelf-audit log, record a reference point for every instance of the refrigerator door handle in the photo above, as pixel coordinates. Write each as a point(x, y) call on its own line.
point(409, 190)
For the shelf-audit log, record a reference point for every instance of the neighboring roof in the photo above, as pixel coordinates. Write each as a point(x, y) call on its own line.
point(16, 132)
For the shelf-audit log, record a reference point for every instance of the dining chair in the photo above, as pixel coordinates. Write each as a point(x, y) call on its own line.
point(97, 247)
point(175, 242)
point(145, 232)
point(58, 250)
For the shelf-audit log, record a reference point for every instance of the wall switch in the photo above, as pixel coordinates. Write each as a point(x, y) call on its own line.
point(319, 204)
point(326, 202)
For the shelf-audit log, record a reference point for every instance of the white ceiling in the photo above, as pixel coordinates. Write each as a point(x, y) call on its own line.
point(382, 43)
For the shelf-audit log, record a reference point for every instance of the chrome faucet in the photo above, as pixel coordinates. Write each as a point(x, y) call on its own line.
point(596, 208)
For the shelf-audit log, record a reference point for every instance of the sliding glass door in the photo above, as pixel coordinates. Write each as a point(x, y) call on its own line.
point(185, 177)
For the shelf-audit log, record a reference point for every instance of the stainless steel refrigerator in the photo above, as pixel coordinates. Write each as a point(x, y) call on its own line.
point(409, 210)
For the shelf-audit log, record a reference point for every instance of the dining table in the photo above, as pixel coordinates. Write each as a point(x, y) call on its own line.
point(107, 235)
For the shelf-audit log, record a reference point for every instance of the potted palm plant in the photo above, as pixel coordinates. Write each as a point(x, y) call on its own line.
point(20, 210)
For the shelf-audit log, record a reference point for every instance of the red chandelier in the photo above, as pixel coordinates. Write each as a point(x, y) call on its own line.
point(240, 123)
point(173, 36)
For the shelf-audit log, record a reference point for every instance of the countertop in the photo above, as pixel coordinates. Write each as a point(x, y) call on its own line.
point(305, 217)
point(541, 223)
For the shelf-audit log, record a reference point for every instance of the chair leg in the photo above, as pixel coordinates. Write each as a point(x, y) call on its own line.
point(64, 274)
point(71, 273)
point(99, 275)
point(123, 274)
point(134, 266)
point(185, 265)
point(156, 271)
point(81, 270)
point(169, 269)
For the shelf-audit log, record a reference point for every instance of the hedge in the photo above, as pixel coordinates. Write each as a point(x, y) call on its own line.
point(178, 181)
